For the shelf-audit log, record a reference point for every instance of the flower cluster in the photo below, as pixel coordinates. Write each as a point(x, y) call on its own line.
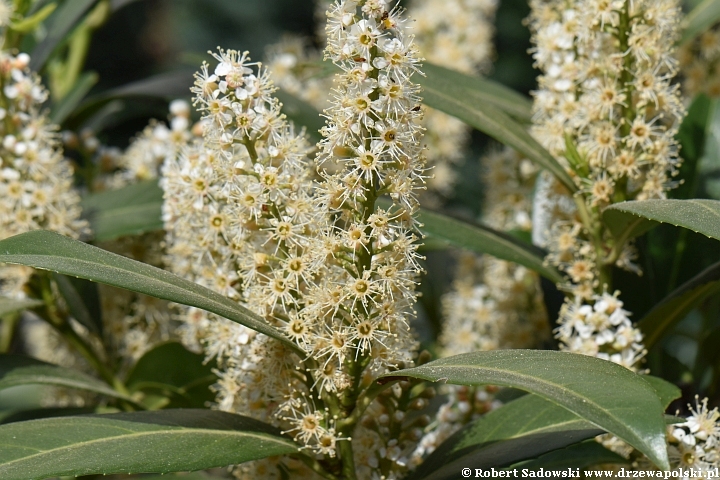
point(456, 34)
point(493, 304)
point(700, 63)
point(146, 154)
point(496, 304)
point(36, 184)
point(240, 220)
point(695, 443)
point(602, 330)
point(607, 109)
point(321, 262)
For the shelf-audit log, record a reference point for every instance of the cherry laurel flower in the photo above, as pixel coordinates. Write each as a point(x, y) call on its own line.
point(317, 259)
point(608, 109)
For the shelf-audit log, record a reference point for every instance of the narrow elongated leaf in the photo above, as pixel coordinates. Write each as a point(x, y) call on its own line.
point(678, 304)
point(64, 19)
point(482, 239)
point(61, 110)
point(574, 457)
point(51, 251)
point(605, 394)
point(700, 19)
point(37, 413)
point(164, 86)
point(524, 428)
point(693, 138)
point(30, 23)
point(130, 210)
point(665, 391)
point(137, 442)
point(140, 193)
point(79, 299)
point(489, 119)
point(18, 370)
point(170, 370)
point(11, 305)
point(484, 90)
point(699, 215)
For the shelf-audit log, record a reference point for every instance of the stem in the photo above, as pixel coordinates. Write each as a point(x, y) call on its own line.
point(53, 317)
point(315, 466)
point(8, 323)
point(348, 462)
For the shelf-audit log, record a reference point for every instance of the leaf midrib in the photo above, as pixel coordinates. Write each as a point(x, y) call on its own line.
point(134, 434)
point(563, 389)
point(257, 325)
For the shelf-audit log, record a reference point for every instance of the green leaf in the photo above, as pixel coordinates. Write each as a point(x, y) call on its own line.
point(11, 305)
point(51, 251)
point(698, 215)
point(82, 300)
point(482, 239)
point(483, 115)
point(520, 430)
point(28, 24)
point(18, 370)
point(301, 113)
point(130, 210)
point(678, 304)
point(36, 413)
point(665, 391)
point(147, 442)
point(693, 138)
point(482, 89)
point(174, 372)
point(164, 86)
point(700, 19)
point(606, 394)
point(62, 110)
point(582, 455)
point(64, 20)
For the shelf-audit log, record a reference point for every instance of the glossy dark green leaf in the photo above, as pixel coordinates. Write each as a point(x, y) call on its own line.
point(137, 442)
point(11, 305)
point(665, 391)
point(38, 413)
point(700, 19)
point(479, 113)
point(524, 428)
point(693, 137)
point(130, 210)
point(699, 215)
point(582, 455)
point(18, 370)
point(482, 239)
point(61, 110)
point(163, 87)
point(169, 369)
point(605, 394)
point(51, 251)
point(484, 90)
point(678, 304)
point(63, 21)
point(301, 113)
point(82, 299)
